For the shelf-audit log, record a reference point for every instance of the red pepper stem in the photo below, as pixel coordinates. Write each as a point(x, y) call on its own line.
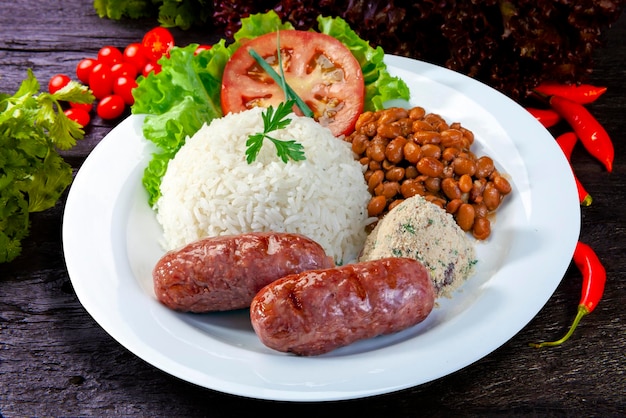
point(582, 311)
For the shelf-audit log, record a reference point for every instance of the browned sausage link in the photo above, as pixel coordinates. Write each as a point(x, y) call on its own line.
point(318, 311)
point(224, 273)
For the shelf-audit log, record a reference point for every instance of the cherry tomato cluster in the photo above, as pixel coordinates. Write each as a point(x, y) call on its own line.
point(112, 75)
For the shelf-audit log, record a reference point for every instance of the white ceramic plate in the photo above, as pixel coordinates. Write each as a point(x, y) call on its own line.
point(111, 237)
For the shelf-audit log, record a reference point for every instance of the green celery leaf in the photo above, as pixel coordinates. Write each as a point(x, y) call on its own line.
point(46, 186)
point(32, 173)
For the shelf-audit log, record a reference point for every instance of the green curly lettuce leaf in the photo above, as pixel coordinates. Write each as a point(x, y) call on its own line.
point(259, 24)
point(118, 9)
point(177, 101)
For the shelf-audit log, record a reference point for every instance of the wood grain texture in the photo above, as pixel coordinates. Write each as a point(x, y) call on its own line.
point(56, 361)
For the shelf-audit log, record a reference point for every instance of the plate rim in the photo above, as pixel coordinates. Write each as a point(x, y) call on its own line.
point(155, 358)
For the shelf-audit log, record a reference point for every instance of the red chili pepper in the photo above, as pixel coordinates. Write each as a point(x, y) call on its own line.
point(567, 141)
point(591, 133)
point(579, 93)
point(547, 117)
point(594, 279)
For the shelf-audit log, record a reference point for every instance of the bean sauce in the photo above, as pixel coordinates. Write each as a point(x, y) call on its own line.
point(410, 151)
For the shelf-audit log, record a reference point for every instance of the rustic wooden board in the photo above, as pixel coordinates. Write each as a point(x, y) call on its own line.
point(56, 361)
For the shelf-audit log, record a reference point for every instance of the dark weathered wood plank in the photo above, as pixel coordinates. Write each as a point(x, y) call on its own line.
point(56, 361)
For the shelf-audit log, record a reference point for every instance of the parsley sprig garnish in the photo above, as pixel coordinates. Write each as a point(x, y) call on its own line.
point(273, 121)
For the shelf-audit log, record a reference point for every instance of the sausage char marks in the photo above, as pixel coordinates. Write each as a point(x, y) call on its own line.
point(225, 272)
point(317, 311)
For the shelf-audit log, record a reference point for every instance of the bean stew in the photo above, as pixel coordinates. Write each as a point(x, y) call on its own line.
point(410, 151)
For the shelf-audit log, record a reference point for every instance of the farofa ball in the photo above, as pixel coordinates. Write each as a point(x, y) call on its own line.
point(423, 231)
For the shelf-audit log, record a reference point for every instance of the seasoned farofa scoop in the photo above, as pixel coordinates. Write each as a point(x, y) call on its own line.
point(421, 230)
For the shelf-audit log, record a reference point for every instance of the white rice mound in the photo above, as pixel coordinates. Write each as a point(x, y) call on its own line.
point(210, 190)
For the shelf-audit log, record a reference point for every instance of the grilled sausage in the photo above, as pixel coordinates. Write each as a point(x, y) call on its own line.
point(314, 312)
point(225, 272)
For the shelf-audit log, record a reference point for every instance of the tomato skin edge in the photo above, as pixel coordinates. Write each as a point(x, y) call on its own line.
point(57, 82)
point(350, 91)
point(111, 107)
point(78, 115)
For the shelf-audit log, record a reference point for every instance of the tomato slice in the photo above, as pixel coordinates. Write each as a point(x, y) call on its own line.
point(318, 67)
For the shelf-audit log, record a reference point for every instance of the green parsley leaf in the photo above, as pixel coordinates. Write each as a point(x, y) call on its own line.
point(274, 120)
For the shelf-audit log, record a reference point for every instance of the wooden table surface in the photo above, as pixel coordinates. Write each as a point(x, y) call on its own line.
point(55, 360)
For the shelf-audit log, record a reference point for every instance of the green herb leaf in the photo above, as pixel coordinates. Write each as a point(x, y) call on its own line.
point(290, 94)
point(274, 120)
point(33, 176)
point(288, 149)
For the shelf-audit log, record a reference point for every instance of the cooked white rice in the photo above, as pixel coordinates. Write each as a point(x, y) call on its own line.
point(209, 189)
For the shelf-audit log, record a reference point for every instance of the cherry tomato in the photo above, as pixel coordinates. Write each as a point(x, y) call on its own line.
point(133, 54)
point(84, 106)
point(201, 48)
point(150, 67)
point(111, 107)
point(123, 86)
point(83, 69)
point(78, 115)
point(157, 42)
point(57, 82)
point(109, 55)
point(123, 69)
point(322, 71)
point(101, 80)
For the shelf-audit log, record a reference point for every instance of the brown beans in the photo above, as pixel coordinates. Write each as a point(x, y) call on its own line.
point(409, 152)
point(389, 131)
point(502, 184)
point(453, 205)
point(412, 152)
point(451, 138)
point(465, 183)
point(376, 206)
point(395, 150)
point(491, 196)
point(390, 189)
point(464, 165)
point(430, 166)
point(411, 172)
point(484, 167)
point(417, 113)
point(375, 179)
point(387, 116)
point(395, 174)
point(412, 187)
point(376, 151)
point(451, 188)
point(481, 228)
point(360, 144)
point(431, 150)
point(427, 137)
point(465, 216)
